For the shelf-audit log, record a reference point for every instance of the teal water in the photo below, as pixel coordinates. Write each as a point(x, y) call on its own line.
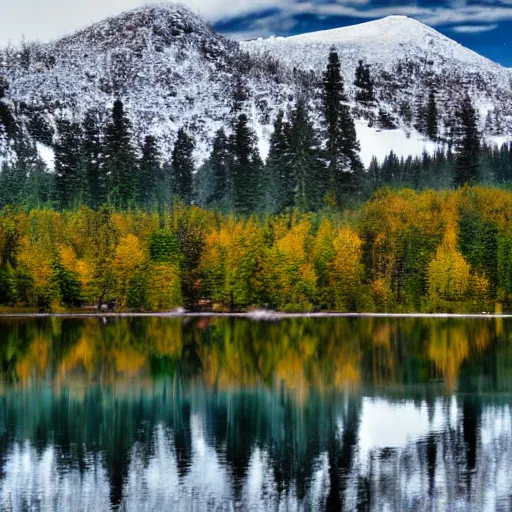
point(228, 414)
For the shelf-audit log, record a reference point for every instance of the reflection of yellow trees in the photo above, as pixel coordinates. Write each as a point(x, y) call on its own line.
point(164, 338)
point(101, 352)
point(129, 361)
point(36, 359)
point(450, 344)
point(298, 355)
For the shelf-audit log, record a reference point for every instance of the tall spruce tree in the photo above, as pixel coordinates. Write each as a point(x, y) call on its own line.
point(239, 95)
point(420, 115)
point(431, 117)
point(342, 145)
point(150, 170)
point(364, 83)
point(246, 167)
point(278, 173)
point(219, 166)
point(93, 160)
point(120, 158)
point(68, 169)
point(467, 144)
point(183, 166)
point(308, 172)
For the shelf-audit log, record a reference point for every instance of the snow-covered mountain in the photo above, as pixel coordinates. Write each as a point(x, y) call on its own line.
point(171, 69)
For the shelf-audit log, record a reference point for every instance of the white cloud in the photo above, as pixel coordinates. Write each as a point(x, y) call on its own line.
point(474, 29)
point(459, 13)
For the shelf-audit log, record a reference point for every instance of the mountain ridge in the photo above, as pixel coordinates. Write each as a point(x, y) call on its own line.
point(172, 69)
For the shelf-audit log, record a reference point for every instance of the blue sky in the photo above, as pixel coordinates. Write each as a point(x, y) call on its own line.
point(484, 26)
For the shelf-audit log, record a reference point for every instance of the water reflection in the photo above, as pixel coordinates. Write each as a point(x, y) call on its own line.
point(222, 414)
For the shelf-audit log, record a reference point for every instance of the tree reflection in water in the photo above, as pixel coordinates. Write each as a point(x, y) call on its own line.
point(223, 414)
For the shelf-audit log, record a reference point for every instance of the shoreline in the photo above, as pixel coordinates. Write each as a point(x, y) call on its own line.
point(254, 315)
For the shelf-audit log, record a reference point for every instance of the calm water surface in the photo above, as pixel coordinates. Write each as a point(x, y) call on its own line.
point(155, 414)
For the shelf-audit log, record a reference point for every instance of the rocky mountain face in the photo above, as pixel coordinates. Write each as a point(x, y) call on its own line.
point(172, 70)
point(407, 59)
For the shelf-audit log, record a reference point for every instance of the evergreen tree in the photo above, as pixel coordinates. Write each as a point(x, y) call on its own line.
point(279, 179)
point(68, 168)
point(385, 120)
point(93, 164)
point(246, 167)
point(218, 165)
point(431, 120)
point(420, 115)
point(467, 144)
point(150, 170)
point(120, 158)
point(183, 166)
point(240, 94)
point(307, 169)
point(342, 144)
point(364, 84)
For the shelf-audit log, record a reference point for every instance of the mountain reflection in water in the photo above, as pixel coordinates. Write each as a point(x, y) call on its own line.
point(158, 414)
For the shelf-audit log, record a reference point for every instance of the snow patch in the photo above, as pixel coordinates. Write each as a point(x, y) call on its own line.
point(379, 143)
point(47, 155)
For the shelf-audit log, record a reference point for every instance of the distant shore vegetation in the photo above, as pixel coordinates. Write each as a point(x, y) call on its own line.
point(401, 251)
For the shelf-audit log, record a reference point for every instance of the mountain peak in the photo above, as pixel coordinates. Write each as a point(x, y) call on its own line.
point(163, 23)
point(387, 29)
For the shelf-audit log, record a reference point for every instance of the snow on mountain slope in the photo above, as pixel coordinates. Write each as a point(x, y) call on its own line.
point(407, 59)
point(382, 43)
point(171, 69)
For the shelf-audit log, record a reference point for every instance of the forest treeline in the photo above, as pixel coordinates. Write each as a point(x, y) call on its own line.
point(313, 158)
point(404, 250)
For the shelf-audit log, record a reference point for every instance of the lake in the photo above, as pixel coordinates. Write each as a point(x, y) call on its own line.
point(231, 414)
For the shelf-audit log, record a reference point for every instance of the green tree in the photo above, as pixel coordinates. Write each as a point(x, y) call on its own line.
point(120, 158)
point(342, 145)
point(364, 83)
point(219, 165)
point(432, 116)
point(246, 167)
point(467, 144)
point(93, 164)
point(278, 171)
point(150, 170)
point(68, 169)
point(183, 165)
point(308, 174)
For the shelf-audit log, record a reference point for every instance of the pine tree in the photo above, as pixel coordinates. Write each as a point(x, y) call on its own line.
point(150, 170)
point(420, 115)
point(246, 167)
point(342, 144)
point(305, 161)
point(219, 165)
point(364, 84)
point(240, 94)
point(120, 158)
point(68, 170)
point(183, 166)
point(431, 117)
point(467, 144)
point(279, 180)
point(92, 161)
